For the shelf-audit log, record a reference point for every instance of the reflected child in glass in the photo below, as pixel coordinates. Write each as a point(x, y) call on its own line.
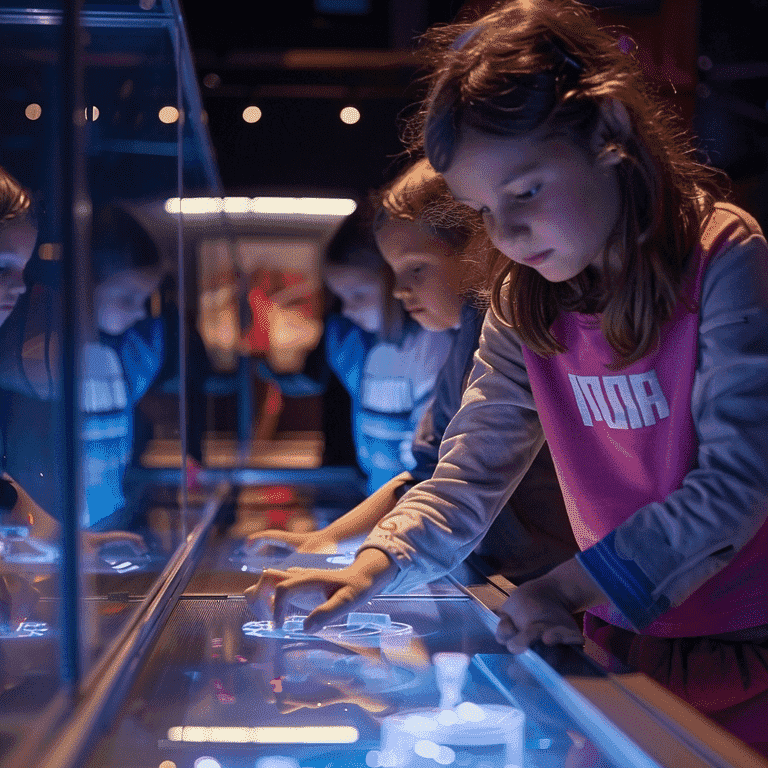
point(387, 362)
point(18, 235)
point(117, 370)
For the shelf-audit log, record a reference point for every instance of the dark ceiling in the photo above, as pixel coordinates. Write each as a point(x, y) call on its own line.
point(305, 60)
point(301, 66)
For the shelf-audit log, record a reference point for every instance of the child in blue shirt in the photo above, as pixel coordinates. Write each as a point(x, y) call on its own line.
point(387, 362)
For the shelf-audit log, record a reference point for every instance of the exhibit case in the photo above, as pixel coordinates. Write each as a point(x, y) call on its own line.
point(125, 637)
point(100, 354)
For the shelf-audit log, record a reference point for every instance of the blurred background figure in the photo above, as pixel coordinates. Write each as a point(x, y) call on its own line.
point(130, 352)
point(387, 362)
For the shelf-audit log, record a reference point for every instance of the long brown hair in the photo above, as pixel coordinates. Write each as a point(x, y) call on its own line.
point(531, 64)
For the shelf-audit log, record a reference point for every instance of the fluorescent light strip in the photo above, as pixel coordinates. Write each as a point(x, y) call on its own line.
point(330, 734)
point(293, 206)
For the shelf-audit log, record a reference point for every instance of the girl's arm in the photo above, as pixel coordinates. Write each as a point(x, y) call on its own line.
point(486, 450)
point(666, 550)
point(359, 521)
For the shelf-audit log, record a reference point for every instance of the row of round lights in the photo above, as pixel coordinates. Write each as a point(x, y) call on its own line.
point(166, 115)
point(169, 114)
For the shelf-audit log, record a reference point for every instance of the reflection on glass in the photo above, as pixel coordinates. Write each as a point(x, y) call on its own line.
point(447, 695)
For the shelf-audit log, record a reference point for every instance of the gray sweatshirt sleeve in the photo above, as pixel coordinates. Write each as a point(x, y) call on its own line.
point(665, 551)
point(487, 448)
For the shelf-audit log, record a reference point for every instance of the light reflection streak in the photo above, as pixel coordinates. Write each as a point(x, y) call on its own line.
point(329, 734)
point(293, 206)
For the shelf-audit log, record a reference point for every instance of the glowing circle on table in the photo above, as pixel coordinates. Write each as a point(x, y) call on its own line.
point(33, 111)
point(252, 114)
point(168, 115)
point(167, 764)
point(207, 762)
point(350, 115)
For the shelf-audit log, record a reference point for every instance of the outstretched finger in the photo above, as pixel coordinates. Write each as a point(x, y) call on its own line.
point(334, 609)
point(505, 630)
point(297, 592)
point(562, 636)
point(543, 631)
point(280, 539)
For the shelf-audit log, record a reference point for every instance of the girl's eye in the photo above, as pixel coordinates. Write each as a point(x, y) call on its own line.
point(528, 194)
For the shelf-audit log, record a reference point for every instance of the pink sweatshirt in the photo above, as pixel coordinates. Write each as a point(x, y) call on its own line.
point(624, 439)
point(664, 464)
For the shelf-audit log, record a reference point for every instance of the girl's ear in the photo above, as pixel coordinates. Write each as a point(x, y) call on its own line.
point(613, 128)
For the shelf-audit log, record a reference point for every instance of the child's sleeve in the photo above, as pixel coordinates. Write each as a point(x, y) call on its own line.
point(665, 551)
point(486, 449)
point(447, 399)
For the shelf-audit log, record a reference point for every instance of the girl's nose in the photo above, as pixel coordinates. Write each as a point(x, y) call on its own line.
point(505, 233)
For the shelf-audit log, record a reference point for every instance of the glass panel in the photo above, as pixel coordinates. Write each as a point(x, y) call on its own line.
point(131, 113)
point(143, 136)
point(30, 640)
point(389, 687)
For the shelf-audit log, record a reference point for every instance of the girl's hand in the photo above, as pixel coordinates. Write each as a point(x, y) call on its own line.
point(314, 542)
point(328, 595)
point(543, 608)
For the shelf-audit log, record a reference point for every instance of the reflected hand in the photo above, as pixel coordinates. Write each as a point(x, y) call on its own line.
point(543, 608)
point(305, 542)
point(328, 595)
point(92, 540)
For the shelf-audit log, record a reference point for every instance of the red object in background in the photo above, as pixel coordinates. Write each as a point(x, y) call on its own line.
point(279, 494)
point(266, 284)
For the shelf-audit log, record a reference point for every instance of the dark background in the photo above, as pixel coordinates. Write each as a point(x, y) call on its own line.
point(306, 59)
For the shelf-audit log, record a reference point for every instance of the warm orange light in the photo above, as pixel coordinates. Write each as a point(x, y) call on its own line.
point(349, 115)
point(33, 111)
point(252, 114)
point(168, 115)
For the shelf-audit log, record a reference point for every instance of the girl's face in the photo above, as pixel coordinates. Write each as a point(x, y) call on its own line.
point(17, 239)
point(546, 202)
point(362, 295)
point(427, 273)
point(119, 301)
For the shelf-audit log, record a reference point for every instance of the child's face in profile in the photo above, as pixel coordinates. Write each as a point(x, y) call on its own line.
point(119, 301)
point(546, 202)
point(362, 295)
point(427, 273)
point(17, 239)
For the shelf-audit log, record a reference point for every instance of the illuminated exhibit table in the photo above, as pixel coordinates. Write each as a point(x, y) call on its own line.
point(414, 680)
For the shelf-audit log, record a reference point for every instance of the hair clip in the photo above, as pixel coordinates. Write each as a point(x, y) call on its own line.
point(574, 63)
